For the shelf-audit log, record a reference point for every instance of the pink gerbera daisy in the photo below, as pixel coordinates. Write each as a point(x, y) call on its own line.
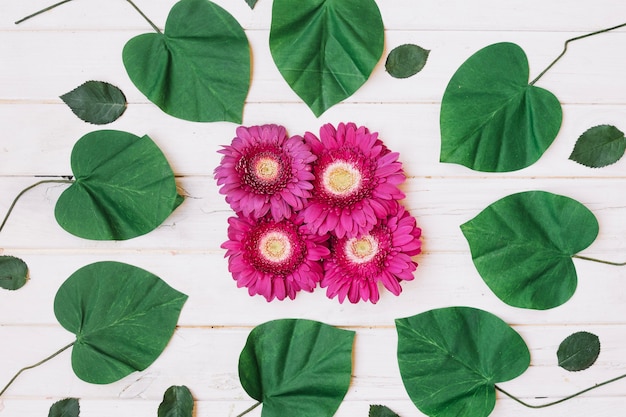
point(356, 180)
point(263, 171)
point(274, 258)
point(358, 264)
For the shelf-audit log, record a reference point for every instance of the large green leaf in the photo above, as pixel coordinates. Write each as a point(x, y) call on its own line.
point(451, 358)
point(491, 118)
point(522, 247)
point(124, 187)
point(177, 402)
point(13, 273)
point(297, 367)
point(122, 316)
point(326, 49)
point(198, 69)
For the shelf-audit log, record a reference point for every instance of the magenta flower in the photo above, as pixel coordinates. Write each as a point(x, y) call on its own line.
point(263, 171)
point(274, 259)
point(358, 264)
point(356, 181)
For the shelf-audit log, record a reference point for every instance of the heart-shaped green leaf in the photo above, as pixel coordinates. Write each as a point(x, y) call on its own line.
point(177, 402)
point(297, 367)
point(124, 187)
point(578, 351)
point(381, 411)
point(13, 273)
point(406, 60)
point(96, 102)
point(451, 358)
point(198, 69)
point(326, 49)
point(522, 246)
point(122, 316)
point(68, 407)
point(491, 118)
point(599, 146)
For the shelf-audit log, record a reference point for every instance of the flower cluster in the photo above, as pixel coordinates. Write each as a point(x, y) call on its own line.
point(316, 211)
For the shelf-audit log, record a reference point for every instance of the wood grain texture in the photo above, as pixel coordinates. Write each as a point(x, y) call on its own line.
point(51, 54)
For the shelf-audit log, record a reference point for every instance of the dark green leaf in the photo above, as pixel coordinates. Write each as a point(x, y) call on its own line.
point(96, 102)
point(381, 411)
point(406, 60)
point(491, 118)
point(297, 367)
point(522, 247)
point(578, 351)
point(199, 69)
point(251, 3)
point(599, 146)
point(451, 358)
point(326, 49)
point(13, 273)
point(65, 408)
point(124, 187)
point(122, 316)
point(177, 402)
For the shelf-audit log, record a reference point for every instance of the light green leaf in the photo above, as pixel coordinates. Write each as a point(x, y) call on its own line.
point(13, 273)
point(578, 351)
point(451, 358)
point(122, 316)
point(96, 102)
point(177, 402)
point(326, 49)
point(599, 146)
point(124, 187)
point(198, 69)
point(68, 407)
point(297, 367)
point(381, 411)
point(406, 60)
point(522, 246)
point(491, 119)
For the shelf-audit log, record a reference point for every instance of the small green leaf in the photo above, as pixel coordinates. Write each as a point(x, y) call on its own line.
point(297, 367)
point(381, 411)
point(491, 118)
point(68, 407)
point(251, 3)
point(96, 102)
point(177, 402)
point(451, 358)
point(578, 351)
point(13, 273)
point(122, 316)
point(326, 49)
point(406, 60)
point(522, 246)
point(599, 146)
point(199, 69)
point(124, 187)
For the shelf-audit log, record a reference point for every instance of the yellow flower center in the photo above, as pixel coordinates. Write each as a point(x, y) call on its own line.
point(266, 168)
point(361, 250)
point(275, 247)
point(341, 178)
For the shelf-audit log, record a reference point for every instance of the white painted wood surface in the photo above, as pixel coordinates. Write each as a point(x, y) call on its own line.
point(82, 40)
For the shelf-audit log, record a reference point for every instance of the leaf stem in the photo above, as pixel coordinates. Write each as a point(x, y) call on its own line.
point(250, 409)
point(572, 40)
point(64, 348)
point(145, 17)
point(6, 217)
point(42, 11)
point(569, 397)
point(585, 258)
